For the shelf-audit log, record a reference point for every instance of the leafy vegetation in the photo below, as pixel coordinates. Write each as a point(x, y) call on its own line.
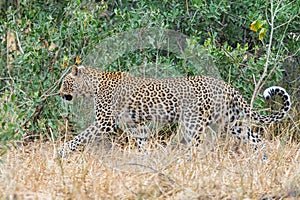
point(253, 44)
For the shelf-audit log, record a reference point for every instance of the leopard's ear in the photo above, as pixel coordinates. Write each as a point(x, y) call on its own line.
point(76, 70)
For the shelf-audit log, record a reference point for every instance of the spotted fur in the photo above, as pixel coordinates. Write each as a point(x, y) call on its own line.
point(194, 102)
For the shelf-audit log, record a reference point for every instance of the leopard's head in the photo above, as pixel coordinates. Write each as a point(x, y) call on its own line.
point(73, 84)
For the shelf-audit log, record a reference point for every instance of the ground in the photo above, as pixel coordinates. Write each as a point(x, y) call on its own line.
point(216, 169)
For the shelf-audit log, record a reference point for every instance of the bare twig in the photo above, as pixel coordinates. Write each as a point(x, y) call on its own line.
point(276, 65)
point(54, 86)
point(289, 21)
point(19, 43)
point(265, 76)
point(259, 85)
point(43, 97)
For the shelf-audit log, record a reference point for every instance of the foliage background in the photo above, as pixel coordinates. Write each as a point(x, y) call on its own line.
point(40, 39)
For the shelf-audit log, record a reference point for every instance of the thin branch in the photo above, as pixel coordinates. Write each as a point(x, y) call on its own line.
point(281, 42)
point(43, 97)
point(6, 78)
point(277, 9)
point(19, 43)
point(286, 22)
point(234, 59)
point(267, 15)
point(53, 87)
point(276, 65)
point(277, 55)
point(258, 86)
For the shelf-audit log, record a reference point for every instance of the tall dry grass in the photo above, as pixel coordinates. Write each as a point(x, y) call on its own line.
point(217, 169)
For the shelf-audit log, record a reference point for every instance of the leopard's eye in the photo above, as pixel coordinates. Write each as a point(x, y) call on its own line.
point(67, 97)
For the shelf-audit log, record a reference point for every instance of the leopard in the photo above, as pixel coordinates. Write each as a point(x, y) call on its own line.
point(194, 102)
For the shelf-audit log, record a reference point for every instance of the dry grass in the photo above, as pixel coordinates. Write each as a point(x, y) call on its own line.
point(215, 171)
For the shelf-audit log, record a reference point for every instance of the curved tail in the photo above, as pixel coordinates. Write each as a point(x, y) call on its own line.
point(278, 115)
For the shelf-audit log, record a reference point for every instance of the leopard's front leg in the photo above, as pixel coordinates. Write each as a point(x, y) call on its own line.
point(81, 139)
point(93, 133)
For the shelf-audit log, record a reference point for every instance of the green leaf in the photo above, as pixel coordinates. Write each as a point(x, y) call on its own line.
point(257, 24)
point(13, 97)
point(262, 34)
point(5, 107)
